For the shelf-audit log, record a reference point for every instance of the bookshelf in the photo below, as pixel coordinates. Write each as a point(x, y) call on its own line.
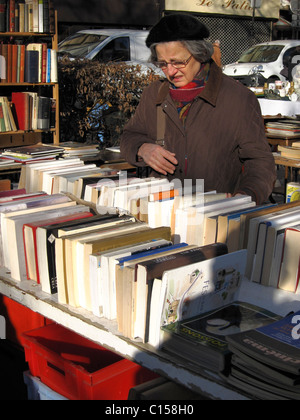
point(46, 89)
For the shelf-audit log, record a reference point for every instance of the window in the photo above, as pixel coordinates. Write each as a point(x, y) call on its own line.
point(261, 54)
point(116, 50)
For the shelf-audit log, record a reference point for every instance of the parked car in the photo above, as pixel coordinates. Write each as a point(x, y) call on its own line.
point(266, 63)
point(107, 45)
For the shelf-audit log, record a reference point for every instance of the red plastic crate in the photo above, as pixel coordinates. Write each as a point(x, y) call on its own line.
point(19, 319)
point(78, 368)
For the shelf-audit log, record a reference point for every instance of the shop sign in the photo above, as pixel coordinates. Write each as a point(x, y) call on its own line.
point(268, 9)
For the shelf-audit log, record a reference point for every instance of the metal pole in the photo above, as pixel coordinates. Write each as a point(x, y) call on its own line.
point(253, 17)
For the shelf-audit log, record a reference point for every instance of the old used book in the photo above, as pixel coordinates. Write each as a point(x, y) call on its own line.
point(190, 221)
point(148, 271)
point(79, 248)
point(256, 244)
point(127, 285)
point(46, 237)
point(246, 219)
point(37, 262)
point(266, 240)
point(197, 288)
point(72, 230)
point(203, 338)
point(289, 152)
point(103, 269)
point(14, 225)
point(268, 359)
point(290, 262)
point(283, 128)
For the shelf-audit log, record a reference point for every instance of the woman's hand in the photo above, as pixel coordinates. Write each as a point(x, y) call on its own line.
point(158, 158)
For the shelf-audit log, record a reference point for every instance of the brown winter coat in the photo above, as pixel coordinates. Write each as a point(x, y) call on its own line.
point(223, 141)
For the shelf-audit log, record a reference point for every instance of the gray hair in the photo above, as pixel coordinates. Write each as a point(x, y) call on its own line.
point(202, 51)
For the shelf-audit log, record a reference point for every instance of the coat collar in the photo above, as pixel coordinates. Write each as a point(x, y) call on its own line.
point(209, 94)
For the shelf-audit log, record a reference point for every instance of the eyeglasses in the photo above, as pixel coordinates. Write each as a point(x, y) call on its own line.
point(176, 64)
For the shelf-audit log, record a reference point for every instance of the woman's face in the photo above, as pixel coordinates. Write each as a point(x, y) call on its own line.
point(175, 51)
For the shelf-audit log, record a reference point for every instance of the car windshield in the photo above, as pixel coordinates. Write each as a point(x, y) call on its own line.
point(261, 54)
point(79, 45)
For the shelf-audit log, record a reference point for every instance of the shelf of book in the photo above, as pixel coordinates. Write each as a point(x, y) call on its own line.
point(36, 74)
point(24, 34)
point(105, 333)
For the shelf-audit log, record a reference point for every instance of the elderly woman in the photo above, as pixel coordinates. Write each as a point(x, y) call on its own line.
point(198, 123)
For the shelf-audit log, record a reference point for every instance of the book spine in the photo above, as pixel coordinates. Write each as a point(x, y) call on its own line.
point(17, 18)
point(9, 64)
point(22, 17)
point(12, 5)
point(22, 63)
point(14, 66)
point(54, 75)
point(31, 67)
point(43, 113)
point(41, 16)
point(46, 17)
point(2, 15)
point(3, 63)
point(2, 122)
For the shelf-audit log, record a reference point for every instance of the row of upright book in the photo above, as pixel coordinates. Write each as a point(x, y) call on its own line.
point(27, 111)
point(269, 232)
point(31, 63)
point(189, 299)
point(33, 16)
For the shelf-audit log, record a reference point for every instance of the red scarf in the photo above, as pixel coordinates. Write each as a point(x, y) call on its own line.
point(184, 96)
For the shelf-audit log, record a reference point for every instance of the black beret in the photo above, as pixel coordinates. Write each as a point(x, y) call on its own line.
point(177, 27)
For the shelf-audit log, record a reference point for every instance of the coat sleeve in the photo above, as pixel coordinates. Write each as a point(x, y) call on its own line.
point(259, 171)
point(141, 128)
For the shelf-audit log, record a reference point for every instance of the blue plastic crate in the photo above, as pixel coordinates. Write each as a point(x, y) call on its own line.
point(37, 391)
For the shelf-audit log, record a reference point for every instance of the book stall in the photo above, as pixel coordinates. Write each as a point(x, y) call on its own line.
point(122, 287)
point(154, 278)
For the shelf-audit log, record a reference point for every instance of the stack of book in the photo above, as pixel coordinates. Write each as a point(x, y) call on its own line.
point(284, 128)
point(265, 361)
point(203, 338)
point(64, 175)
point(291, 152)
point(31, 63)
point(27, 16)
point(79, 150)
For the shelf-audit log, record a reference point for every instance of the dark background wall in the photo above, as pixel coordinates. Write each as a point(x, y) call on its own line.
point(77, 14)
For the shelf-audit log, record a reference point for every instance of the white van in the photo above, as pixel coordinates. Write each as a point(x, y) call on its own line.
point(269, 61)
point(107, 45)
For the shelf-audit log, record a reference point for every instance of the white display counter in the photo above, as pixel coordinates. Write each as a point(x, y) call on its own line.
point(275, 107)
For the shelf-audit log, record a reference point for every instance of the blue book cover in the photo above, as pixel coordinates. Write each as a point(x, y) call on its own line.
point(150, 253)
point(287, 330)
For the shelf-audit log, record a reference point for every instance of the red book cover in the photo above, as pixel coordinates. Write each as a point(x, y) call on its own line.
point(44, 63)
point(12, 193)
point(35, 226)
point(12, 6)
point(9, 63)
point(20, 101)
point(22, 64)
point(14, 66)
